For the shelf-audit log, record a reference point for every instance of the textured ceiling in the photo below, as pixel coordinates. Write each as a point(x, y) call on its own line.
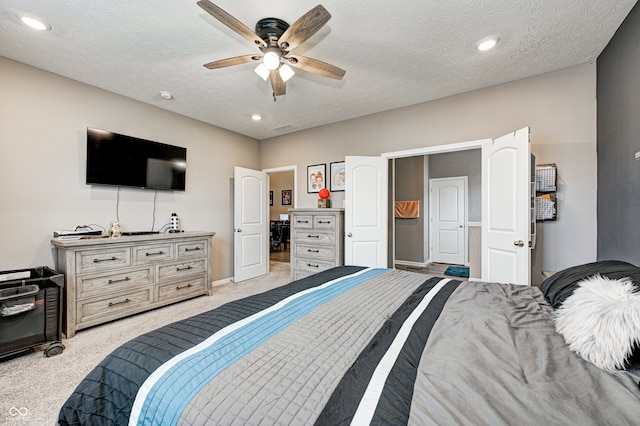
point(396, 53)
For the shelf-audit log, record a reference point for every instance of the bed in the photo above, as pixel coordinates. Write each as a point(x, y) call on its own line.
point(354, 345)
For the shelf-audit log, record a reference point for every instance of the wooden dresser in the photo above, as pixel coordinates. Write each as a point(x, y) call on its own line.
point(317, 240)
point(110, 278)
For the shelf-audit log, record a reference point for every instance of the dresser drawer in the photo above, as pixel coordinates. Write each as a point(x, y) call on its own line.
point(302, 221)
point(152, 253)
point(189, 250)
point(114, 306)
point(96, 260)
point(313, 266)
point(315, 252)
point(182, 289)
point(315, 237)
point(95, 285)
point(324, 222)
point(174, 270)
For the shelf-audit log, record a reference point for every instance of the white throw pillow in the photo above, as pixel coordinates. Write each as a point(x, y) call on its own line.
point(600, 321)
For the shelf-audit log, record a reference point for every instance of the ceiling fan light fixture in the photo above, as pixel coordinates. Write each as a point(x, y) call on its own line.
point(487, 43)
point(262, 71)
point(286, 72)
point(271, 60)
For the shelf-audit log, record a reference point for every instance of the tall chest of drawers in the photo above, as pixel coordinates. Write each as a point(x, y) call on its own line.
point(110, 278)
point(317, 240)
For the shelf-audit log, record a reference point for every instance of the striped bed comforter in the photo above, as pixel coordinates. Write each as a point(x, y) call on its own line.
point(353, 345)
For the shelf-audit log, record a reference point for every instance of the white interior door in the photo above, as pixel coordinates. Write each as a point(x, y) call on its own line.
point(250, 220)
point(448, 200)
point(506, 174)
point(366, 211)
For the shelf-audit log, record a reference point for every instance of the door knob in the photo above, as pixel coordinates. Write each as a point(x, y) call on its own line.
point(518, 243)
point(349, 235)
point(238, 229)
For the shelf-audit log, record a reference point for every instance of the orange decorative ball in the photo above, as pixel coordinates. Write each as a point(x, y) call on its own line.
point(323, 193)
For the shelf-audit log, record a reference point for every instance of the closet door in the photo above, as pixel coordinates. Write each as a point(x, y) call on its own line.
point(365, 216)
point(506, 165)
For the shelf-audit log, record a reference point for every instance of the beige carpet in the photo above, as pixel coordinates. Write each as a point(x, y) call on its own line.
point(33, 387)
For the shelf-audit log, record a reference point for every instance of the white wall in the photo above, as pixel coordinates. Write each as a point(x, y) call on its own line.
point(43, 120)
point(560, 108)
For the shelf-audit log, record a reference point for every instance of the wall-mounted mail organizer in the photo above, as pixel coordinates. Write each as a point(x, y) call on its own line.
point(546, 187)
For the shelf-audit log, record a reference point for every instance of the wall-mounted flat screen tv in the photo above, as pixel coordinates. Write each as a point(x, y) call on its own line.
point(120, 160)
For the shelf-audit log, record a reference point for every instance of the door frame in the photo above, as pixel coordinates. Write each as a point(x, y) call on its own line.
point(294, 168)
point(465, 231)
point(428, 150)
point(294, 201)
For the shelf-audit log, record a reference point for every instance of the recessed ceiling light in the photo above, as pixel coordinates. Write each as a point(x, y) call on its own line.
point(166, 95)
point(256, 117)
point(34, 22)
point(487, 43)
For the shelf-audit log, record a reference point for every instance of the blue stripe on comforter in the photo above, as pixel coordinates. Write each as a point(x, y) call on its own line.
point(157, 401)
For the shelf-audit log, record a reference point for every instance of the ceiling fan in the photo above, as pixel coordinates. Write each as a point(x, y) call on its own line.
point(276, 39)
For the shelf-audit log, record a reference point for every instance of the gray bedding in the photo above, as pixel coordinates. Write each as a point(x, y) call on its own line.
point(358, 346)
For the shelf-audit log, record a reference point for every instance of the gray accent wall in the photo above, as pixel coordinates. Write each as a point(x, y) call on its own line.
point(618, 96)
point(409, 186)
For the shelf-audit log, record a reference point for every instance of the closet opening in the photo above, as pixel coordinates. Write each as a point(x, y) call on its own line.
point(436, 211)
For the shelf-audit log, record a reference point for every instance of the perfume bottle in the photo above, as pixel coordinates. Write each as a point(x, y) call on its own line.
point(114, 230)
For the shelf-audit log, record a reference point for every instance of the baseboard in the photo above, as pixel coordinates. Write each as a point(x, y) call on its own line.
point(410, 263)
point(222, 282)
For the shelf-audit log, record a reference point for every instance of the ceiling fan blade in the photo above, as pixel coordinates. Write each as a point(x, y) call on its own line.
point(231, 22)
point(316, 67)
point(232, 61)
point(306, 26)
point(278, 85)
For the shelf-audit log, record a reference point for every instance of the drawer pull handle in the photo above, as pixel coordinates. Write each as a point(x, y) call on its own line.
point(325, 221)
point(184, 286)
point(302, 221)
point(186, 268)
point(313, 236)
point(105, 260)
point(313, 251)
point(312, 265)
point(119, 303)
point(157, 253)
point(118, 281)
point(192, 249)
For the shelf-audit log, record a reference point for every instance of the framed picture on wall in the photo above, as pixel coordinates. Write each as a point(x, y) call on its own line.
point(336, 176)
point(270, 198)
point(286, 197)
point(316, 176)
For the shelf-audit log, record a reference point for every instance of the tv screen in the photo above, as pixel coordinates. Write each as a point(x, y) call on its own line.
point(115, 159)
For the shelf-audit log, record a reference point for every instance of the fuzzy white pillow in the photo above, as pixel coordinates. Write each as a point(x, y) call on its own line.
point(600, 321)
